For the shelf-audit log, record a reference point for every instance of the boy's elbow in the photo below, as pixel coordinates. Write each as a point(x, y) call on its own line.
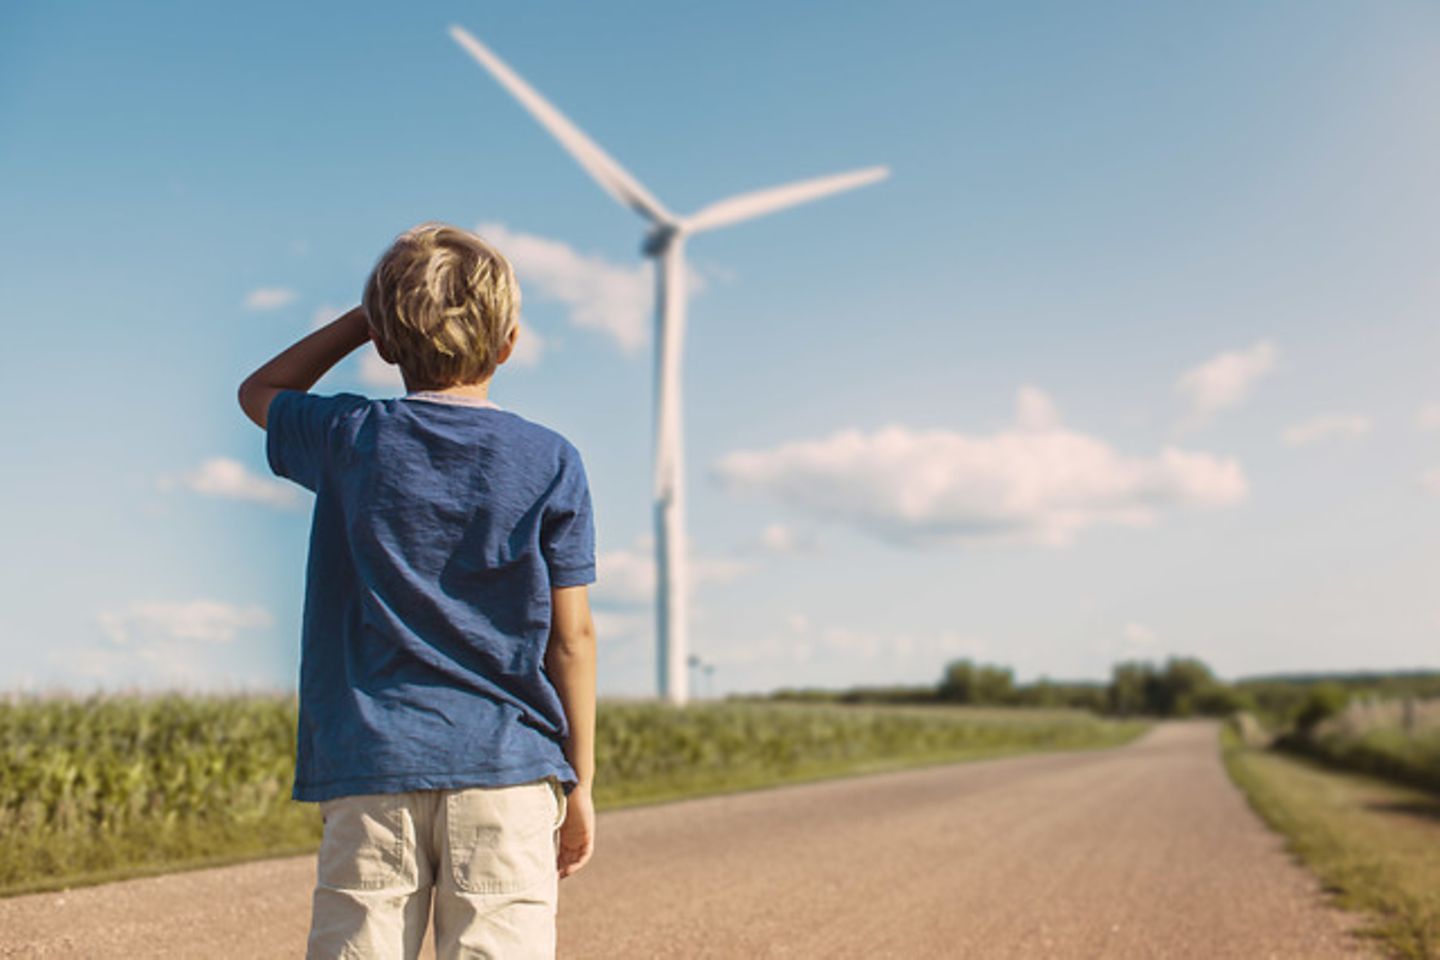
point(253, 401)
point(242, 395)
point(574, 639)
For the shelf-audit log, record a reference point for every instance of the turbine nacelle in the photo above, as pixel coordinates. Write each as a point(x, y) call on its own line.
point(658, 239)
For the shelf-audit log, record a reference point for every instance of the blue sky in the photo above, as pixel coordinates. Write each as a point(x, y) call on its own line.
point(1135, 354)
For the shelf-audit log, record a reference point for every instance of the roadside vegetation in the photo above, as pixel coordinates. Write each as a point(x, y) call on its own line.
point(1374, 843)
point(1386, 724)
point(1397, 737)
point(110, 786)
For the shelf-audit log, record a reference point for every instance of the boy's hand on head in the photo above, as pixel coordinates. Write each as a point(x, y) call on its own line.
point(577, 833)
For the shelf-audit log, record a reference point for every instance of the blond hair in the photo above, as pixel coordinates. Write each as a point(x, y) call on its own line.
point(442, 302)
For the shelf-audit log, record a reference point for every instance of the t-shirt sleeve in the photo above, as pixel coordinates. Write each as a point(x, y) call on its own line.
point(567, 531)
point(296, 427)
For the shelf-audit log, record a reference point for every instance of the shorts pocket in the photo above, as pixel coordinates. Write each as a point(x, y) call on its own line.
point(368, 842)
point(501, 839)
point(562, 805)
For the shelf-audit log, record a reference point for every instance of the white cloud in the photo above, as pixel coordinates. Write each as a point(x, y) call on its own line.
point(1035, 482)
point(268, 298)
point(201, 621)
point(611, 298)
point(1225, 381)
point(376, 373)
point(1035, 411)
point(779, 538)
point(322, 315)
point(625, 577)
point(1135, 641)
point(1325, 428)
point(1429, 417)
point(717, 569)
point(1138, 640)
point(1138, 633)
point(224, 477)
point(851, 648)
point(1430, 481)
point(529, 347)
point(611, 625)
point(152, 644)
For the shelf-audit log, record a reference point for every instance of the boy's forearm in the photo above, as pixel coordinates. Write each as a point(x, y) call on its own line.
point(571, 666)
point(307, 360)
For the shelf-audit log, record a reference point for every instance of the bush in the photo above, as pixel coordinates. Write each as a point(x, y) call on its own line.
point(1322, 701)
point(966, 682)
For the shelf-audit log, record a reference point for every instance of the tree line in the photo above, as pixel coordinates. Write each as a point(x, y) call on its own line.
point(1180, 686)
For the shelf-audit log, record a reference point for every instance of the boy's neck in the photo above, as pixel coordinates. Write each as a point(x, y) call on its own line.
point(471, 391)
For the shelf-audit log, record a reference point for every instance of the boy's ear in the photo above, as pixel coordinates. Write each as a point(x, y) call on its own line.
point(509, 347)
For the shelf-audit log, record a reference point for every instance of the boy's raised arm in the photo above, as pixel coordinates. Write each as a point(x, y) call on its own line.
point(302, 363)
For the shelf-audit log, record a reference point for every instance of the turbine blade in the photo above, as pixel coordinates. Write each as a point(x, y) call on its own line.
point(760, 202)
point(599, 164)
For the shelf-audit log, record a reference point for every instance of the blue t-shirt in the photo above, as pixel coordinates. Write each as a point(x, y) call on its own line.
point(439, 528)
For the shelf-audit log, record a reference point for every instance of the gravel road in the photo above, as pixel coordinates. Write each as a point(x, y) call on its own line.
point(1145, 850)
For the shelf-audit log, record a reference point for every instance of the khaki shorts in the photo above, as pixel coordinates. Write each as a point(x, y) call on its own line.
point(489, 854)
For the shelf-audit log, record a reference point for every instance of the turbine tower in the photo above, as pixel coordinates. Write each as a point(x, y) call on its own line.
point(665, 241)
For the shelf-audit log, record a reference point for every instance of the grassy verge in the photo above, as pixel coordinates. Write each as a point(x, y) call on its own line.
point(1374, 844)
point(101, 789)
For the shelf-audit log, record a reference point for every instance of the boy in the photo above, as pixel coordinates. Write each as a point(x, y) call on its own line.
point(447, 675)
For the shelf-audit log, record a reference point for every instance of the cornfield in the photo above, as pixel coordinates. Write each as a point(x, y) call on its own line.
point(113, 785)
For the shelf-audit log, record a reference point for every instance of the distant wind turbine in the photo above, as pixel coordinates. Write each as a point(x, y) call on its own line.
point(665, 241)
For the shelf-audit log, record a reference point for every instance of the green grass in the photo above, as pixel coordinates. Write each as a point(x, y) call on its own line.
point(1374, 844)
point(102, 788)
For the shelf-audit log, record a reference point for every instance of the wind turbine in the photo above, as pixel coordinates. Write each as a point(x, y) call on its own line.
point(665, 241)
